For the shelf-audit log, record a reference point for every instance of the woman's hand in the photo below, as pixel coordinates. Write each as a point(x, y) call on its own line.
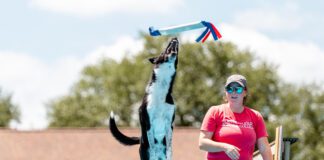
point(232, 152)
point(207, 144)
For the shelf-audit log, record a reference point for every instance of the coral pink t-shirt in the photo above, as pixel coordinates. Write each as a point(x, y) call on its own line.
point(239, 129)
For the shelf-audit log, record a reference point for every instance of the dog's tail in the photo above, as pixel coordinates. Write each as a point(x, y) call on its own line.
point(120, 137)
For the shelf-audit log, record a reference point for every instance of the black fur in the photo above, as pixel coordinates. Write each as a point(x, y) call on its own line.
point(121, 137)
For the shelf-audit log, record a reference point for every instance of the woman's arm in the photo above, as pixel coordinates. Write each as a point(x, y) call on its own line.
point(207, 144)
point(264, 148)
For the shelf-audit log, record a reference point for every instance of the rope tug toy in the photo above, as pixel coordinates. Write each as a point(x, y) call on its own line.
point(210, 28)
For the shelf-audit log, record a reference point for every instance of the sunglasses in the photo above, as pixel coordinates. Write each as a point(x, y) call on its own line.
point(238, 90)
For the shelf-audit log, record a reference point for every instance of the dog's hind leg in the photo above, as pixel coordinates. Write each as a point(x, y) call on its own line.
point(169, 144)
point(169, 134)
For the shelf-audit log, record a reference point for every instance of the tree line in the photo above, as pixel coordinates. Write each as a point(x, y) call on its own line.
point(201, 75)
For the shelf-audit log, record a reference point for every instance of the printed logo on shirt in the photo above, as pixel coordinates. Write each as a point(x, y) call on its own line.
point(230, 122)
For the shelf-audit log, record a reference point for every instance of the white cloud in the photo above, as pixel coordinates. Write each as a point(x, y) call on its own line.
point(33, 82)
point(90, 8)
point(285, 18)
point(299, 62)
point(123, 46)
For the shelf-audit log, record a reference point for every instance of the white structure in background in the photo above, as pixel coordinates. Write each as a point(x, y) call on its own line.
point(280, 148)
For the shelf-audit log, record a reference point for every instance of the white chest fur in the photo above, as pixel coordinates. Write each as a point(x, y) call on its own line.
point(160, 113)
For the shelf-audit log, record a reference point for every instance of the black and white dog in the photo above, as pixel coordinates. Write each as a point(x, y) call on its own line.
point(157, 110)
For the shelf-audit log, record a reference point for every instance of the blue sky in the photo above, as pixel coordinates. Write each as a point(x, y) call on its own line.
point(44, 44)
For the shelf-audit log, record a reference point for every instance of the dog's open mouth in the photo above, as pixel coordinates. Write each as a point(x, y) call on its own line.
point(172, 47)
point(169, 55)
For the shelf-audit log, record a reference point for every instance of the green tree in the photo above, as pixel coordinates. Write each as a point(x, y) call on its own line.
point(300, 111)
point(8, 111)
point(202, 70)
point(103, 87)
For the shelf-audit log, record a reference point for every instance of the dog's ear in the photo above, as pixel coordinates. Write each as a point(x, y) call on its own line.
point(152, 60)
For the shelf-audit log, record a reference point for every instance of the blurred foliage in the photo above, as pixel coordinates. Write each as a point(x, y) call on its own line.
point(8, 111)
point(202, 72)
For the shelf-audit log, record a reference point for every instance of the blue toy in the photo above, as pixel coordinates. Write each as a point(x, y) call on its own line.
point(210, 28)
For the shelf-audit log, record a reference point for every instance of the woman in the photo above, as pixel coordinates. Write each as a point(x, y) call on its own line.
point(230, 131)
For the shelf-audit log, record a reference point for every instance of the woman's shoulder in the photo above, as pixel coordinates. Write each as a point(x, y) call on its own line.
point(217, 109)
point(253, 111)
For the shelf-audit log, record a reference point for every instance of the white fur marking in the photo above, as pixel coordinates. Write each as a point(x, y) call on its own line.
point(112, 115)
point(160, 112)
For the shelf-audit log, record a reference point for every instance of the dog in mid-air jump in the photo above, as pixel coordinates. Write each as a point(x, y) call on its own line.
point(157, 110)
